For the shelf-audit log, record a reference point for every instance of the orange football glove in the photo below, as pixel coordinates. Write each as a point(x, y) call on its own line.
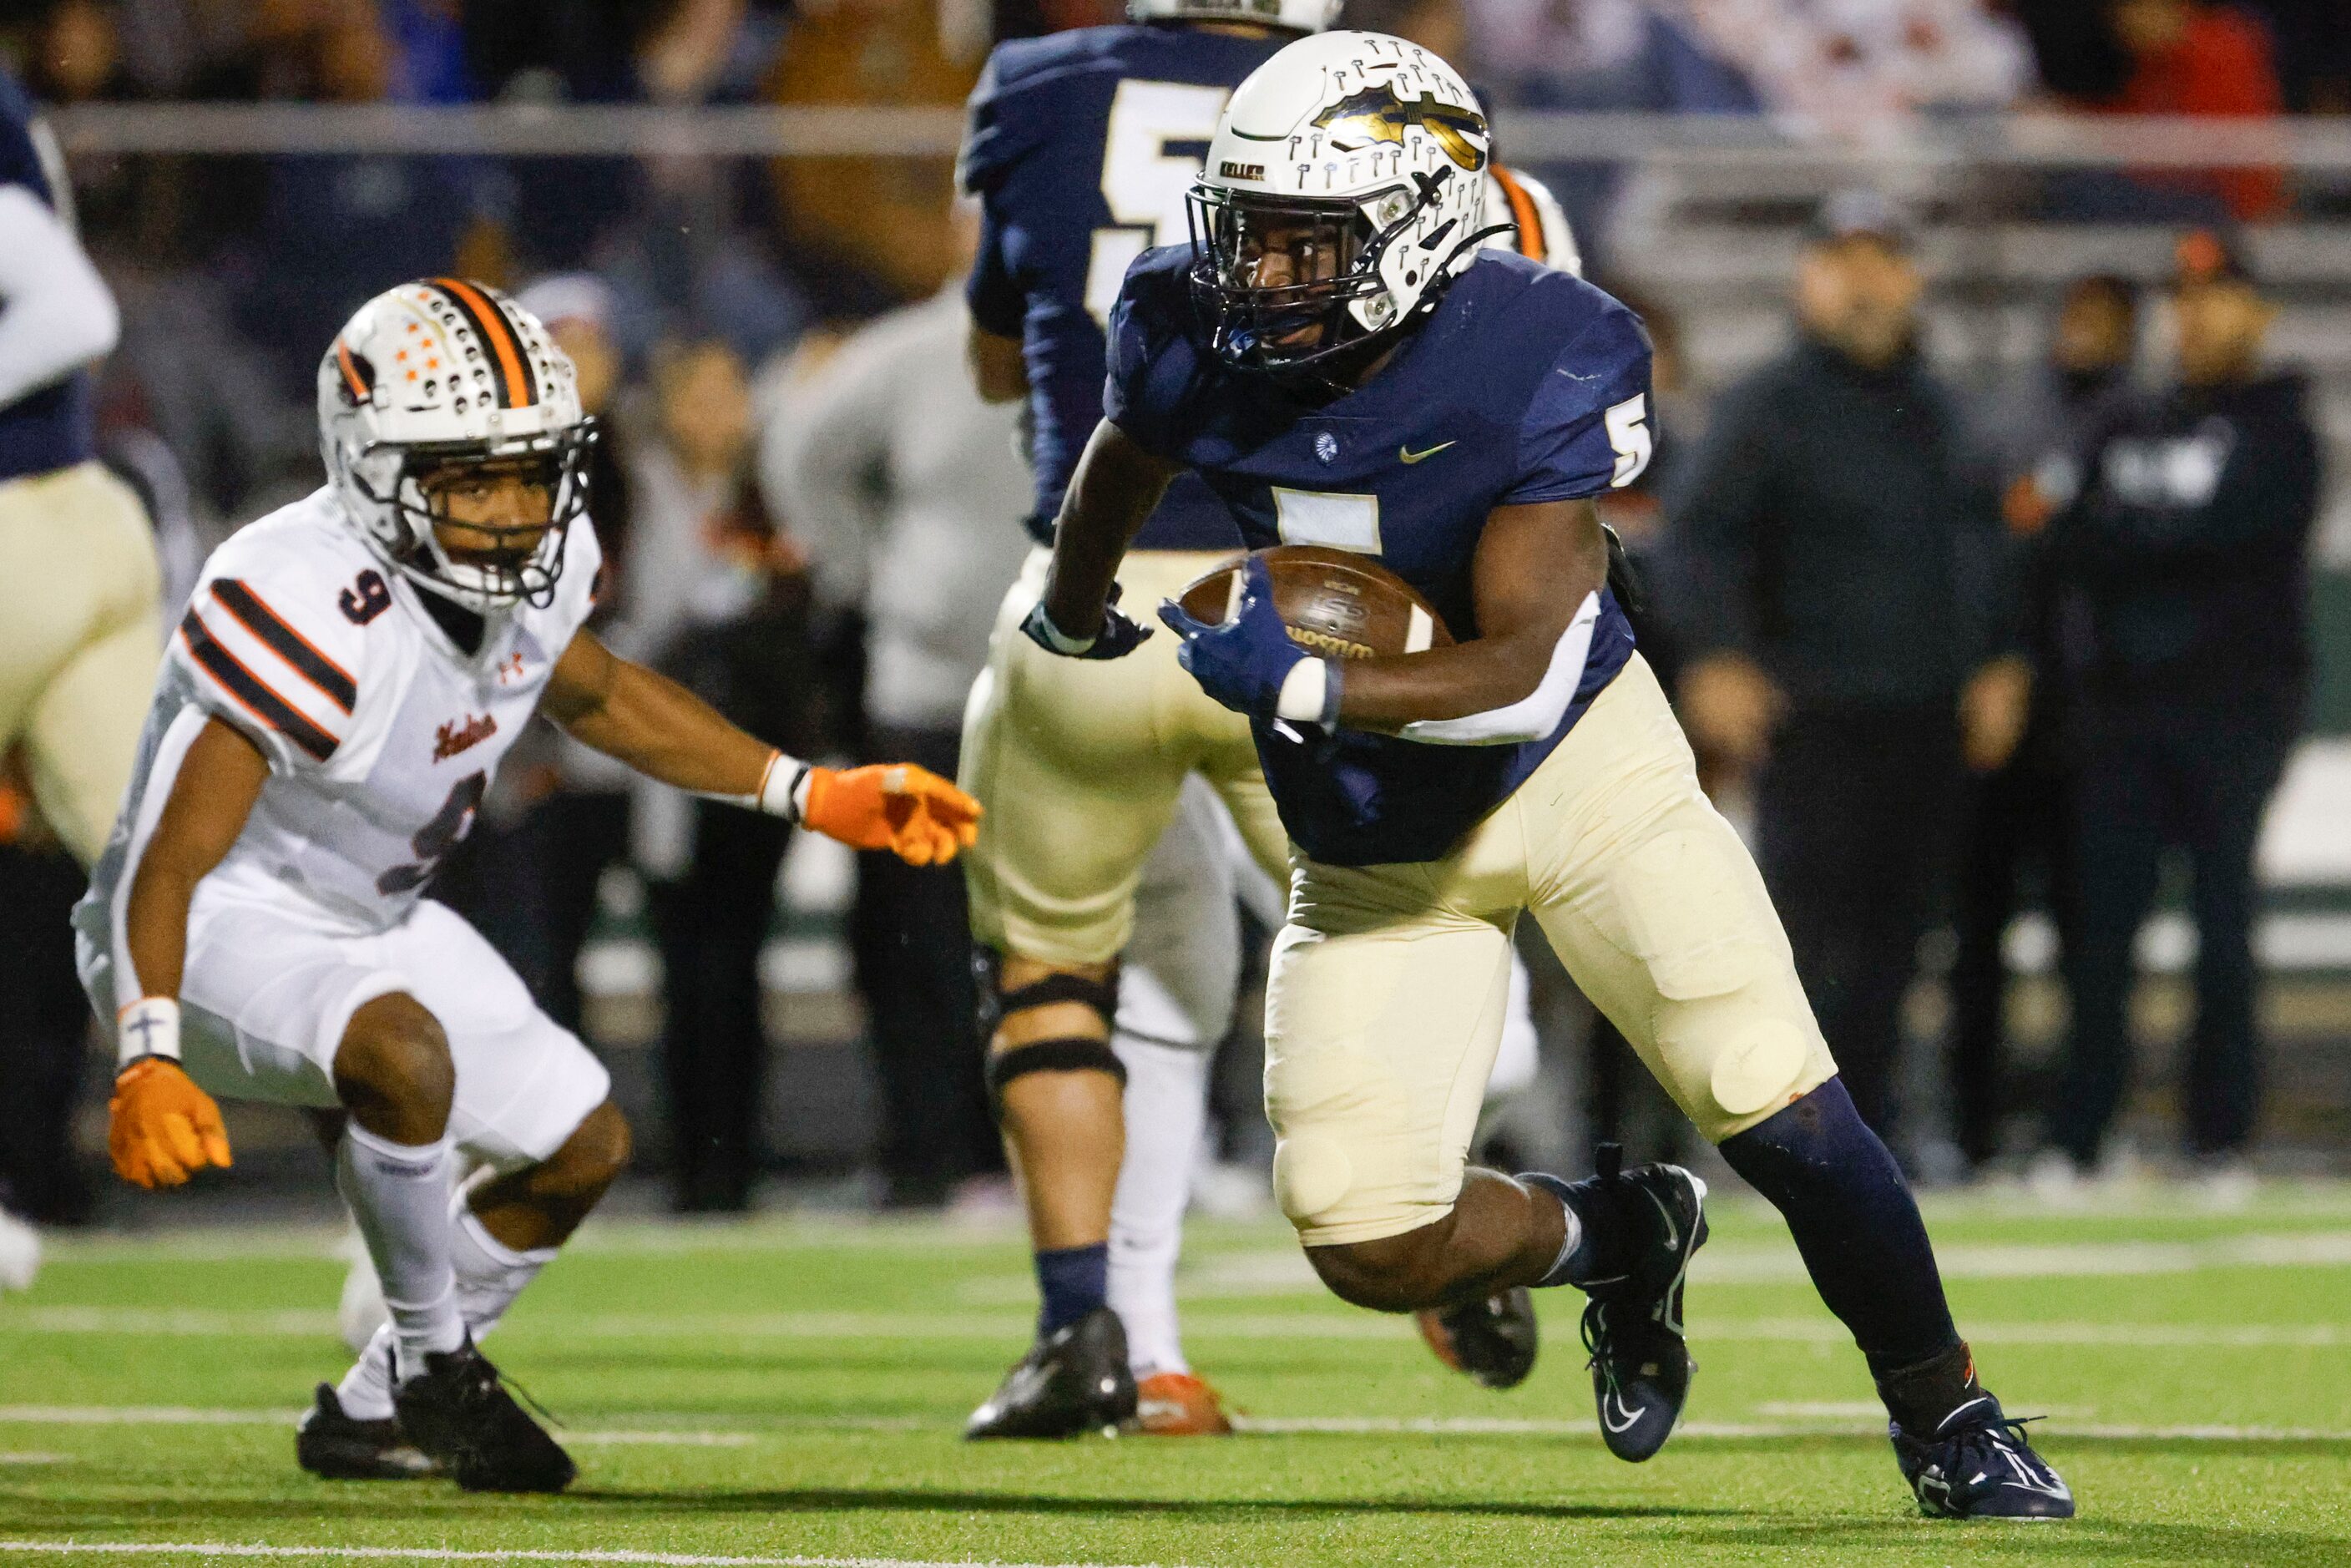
point(163, 1128)
point(895, 806)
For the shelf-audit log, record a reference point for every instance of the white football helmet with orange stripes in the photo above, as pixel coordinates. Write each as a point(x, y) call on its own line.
point(1538, 224)
point(443, 375)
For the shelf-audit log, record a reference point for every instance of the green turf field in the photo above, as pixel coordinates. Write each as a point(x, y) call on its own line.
point(790, 1392)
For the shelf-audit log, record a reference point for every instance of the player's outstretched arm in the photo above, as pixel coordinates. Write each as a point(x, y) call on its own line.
point(666, 732)
point(161, 1128)
point(1536, 567)
point(1110, 497)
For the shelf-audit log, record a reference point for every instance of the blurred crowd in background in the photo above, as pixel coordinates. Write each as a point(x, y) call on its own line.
point(812, 517)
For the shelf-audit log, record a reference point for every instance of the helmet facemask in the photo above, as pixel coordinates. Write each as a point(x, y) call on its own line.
point(1297, 287)
point(489, 564)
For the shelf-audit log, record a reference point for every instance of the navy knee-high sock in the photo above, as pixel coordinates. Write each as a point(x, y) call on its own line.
point(1859, 1229)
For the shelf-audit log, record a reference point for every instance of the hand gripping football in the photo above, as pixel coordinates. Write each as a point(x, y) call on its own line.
point(1336, 604)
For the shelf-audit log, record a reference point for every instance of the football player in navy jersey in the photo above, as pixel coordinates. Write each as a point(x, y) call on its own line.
point(1335, 359)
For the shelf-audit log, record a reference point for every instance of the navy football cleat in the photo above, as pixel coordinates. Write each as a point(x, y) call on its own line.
point(1977, 1465)
point(1075, 1380)
point(1493, 1340)
point(1648, 1223)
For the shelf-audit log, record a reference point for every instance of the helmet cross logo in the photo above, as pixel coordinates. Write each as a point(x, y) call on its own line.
point(1375, 114)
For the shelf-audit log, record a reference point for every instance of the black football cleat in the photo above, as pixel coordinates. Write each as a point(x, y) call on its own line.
point(458, 1411)
point(1492, 1339)
point(1646, 1224)
point(1075, 1380)
point(341, 1447)
point(1977, 1465)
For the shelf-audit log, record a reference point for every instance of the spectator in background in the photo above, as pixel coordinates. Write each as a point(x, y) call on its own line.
point(880, 224)
point(2187, 58)
point(718, 600)
point(2187, 541)
point(901, 484)
point(332, 228)
point(2018, 823)
point(1593, 56)
point(1857, 69)
point(1849, 640)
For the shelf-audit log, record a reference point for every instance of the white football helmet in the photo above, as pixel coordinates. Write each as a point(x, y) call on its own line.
point(1343, 191)
point(1295, 16)
point(443, 374)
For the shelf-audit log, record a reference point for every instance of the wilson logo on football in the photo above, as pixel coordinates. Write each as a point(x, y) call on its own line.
point(455, 737)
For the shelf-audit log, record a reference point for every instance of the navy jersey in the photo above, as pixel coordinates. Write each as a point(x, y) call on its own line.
point(1081, 148)
point(49, 427)
point(1525, 384)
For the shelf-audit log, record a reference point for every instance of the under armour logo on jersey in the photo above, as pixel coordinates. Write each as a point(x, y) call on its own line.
point(455, 736)
point(510, 668)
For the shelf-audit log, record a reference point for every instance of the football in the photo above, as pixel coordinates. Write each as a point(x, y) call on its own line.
point(1336, 603)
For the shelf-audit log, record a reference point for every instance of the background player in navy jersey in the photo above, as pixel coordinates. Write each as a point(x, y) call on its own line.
point(1082, 148)
point(1337, 363)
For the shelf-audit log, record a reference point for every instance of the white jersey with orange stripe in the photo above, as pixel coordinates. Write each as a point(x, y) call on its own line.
point(1538, 222)
point(381, 733)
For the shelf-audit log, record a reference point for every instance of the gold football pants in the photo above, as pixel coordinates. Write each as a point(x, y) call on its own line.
point(80, 642)
point(1386, 997)
point(1079, 762)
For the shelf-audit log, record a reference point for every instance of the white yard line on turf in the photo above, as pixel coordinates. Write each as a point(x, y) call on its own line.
point(444, 1554)
point(207, 1322)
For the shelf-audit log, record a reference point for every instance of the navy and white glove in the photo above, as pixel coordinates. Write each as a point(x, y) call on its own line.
point(1249, 664)
point(1119, 635)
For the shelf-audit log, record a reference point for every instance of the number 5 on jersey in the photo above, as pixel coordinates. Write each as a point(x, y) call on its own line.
point(1141, 181)
point(1628, 433)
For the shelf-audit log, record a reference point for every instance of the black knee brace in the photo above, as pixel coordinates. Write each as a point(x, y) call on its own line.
point(1071, 1053)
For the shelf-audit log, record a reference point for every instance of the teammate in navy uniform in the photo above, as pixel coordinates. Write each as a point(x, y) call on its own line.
point(1081, 148)
point(1105, 906)
point(1338, 362)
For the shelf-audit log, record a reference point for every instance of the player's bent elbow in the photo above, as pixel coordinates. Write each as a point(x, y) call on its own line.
point(1534, 716)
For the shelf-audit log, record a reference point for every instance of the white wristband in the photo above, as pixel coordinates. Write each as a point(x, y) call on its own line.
point(782, 791)
point(1304, 691)
point(1059, 640)
point(148, 1027)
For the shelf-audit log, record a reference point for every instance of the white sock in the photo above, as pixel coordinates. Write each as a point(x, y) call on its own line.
point(365, 1392)
point(490, 1274)
point(398, 1194)
point(1167, 1109)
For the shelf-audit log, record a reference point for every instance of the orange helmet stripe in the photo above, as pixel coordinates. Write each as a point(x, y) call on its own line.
point(517, 387)
point(352, 377)
point(1533, 244)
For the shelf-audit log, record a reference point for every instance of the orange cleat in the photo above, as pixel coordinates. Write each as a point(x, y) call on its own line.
point(1178, 1405)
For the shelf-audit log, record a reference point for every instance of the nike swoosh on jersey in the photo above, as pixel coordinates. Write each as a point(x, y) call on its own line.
point(1409, 456)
